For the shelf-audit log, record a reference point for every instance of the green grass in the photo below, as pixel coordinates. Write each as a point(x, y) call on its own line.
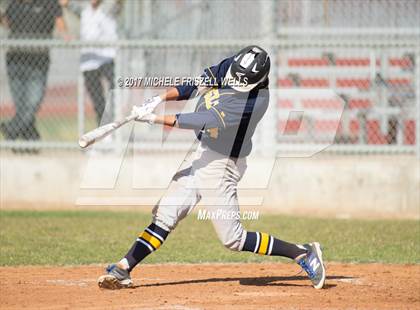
point(84, 237)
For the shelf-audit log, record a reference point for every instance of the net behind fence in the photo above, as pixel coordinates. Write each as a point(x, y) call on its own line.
point(53, 90)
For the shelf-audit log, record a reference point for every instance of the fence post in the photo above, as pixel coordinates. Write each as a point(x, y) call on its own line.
point(267, 143)
point(117, 95)
point(80, 105)
point(417, 85)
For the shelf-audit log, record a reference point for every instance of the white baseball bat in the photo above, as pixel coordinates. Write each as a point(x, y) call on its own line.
point(103, 131)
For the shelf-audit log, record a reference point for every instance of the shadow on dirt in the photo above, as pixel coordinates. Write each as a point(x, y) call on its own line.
point(259, 281)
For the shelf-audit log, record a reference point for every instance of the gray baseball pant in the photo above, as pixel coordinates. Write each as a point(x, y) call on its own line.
point(211, 178)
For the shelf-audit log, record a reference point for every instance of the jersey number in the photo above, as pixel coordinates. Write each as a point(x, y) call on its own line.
point(211, 98)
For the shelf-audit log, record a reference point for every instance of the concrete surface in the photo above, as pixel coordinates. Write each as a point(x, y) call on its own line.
point(324, 185)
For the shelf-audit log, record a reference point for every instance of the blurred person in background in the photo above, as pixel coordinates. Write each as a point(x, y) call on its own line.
point(97, 23)
point(27, 66)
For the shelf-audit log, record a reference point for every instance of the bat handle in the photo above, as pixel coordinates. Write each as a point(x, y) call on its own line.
point(128, 119)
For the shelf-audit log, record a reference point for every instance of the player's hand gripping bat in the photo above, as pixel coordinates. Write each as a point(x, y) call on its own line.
point(138, 112)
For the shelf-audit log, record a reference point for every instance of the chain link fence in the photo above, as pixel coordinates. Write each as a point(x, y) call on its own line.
point(60, 61)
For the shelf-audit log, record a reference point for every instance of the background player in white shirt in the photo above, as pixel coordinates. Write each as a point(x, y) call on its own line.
point(97, 23)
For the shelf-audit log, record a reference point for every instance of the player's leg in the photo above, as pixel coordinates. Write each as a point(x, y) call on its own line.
point(228, 226)
point(107, 71)
point(17, 79)
point(174, 206)
point(95, 89)
point(178, 201)
point(236, 238)
point(36, 84)
point(308, 256)
point(233, 235)
point(118, 275)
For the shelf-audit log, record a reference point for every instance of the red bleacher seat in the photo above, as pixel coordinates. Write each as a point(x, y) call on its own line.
point(359, 103)
point(374, 134)
point(354, 127)
point(314, 82)
point(285, 103)
point(291, 126)
point(353, 62)
point(322, 103)
point(399, 82)
point(353, 82)
point(403, 62)
point(307, 62)
point(326, 125)
point(410, 132)
point(285, 82)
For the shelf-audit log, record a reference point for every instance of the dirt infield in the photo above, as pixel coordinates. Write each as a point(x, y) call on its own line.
point(213, 286)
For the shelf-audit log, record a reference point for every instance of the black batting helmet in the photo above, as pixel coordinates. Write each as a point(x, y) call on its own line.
point(249, 67)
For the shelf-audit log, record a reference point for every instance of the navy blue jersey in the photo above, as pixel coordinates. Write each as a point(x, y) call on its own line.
point(224, 119)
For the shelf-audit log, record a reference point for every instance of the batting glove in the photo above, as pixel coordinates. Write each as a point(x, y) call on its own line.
point(143, 114)
point(148, 118)
point(152, 103)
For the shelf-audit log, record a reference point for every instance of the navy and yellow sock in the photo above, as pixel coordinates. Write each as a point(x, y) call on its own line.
point(266, 244)
point(147, 242)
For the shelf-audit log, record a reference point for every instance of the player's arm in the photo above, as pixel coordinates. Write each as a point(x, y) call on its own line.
point(167, 120)
point(188, 91)
point(151, 103)
point(180, 92)
point(170, 95)
point(62, 28)
point(185, 91)
point(60, 23)
point(5, 16)
point(194, 120)
point(3, 20)
point(72, 6)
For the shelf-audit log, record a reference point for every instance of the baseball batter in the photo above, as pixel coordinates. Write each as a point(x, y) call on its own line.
point(224, 120)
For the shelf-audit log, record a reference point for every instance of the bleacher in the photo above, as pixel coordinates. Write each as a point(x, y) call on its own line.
point(378, 92)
